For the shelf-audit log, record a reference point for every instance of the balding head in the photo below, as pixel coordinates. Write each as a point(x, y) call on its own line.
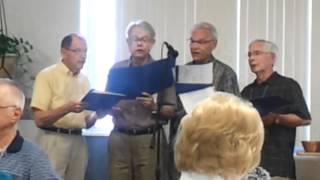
point(10, 94)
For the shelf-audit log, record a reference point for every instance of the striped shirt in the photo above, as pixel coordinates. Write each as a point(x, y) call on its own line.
point(25, 161)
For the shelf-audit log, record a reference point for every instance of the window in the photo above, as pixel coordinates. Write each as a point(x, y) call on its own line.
point(97, 25)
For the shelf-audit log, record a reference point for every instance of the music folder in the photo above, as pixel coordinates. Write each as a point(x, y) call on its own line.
point(270, 104)
point(150, 78)
point(101, 100)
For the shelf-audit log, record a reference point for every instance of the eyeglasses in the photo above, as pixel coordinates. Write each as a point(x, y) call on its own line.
point(9, 106)
point(201, 42)
point(142, 39)
point(77, 51)
point(257, 53)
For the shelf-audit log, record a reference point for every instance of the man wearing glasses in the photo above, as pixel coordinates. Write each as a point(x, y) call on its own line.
point(58, 112)
point(280, 124)
point(129, 152)
point(19, 158)
point(202, 43)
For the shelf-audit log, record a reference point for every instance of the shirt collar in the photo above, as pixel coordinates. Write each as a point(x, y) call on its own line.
point(16, 145)
point(198, 176)
point(273, 76)
point(150, 59)
point(63, 68)
point(209, 60)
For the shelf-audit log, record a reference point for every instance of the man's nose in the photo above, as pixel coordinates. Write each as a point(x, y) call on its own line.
point(194, 45)
point(250, 56)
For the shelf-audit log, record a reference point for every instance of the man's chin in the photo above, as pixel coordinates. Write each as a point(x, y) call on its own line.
point(79, 68)
point(140, 56)
point(198, 60)
point(254, 70)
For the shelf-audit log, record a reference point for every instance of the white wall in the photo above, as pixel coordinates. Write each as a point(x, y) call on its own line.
point(43, 23)
point(315, 82)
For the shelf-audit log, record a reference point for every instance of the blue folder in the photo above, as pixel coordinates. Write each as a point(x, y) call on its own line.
point(150, 78)
point(99, 100)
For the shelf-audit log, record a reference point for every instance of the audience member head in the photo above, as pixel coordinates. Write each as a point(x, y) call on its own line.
point(74, 52)
point(262, 55)
point(223, 136)
point(203, 41)
point(140, 38)
point(12, 101)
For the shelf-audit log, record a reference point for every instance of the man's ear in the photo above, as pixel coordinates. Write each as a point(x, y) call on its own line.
point(273, 56)
point(17, 113)
point(214, 44)
point(63, 52)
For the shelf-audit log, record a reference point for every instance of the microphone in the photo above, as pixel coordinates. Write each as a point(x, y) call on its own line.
point(171, 51)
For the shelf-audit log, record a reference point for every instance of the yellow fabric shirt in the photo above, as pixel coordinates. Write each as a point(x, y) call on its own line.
point(55, 86)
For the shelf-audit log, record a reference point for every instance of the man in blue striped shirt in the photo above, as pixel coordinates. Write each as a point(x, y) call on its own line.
point(19, 158)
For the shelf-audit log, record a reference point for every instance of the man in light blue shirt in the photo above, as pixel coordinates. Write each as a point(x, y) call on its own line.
point(19, 158)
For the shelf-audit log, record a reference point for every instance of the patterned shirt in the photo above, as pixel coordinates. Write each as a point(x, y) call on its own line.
point(25, 161)
point(277, 151)
point(224, 79)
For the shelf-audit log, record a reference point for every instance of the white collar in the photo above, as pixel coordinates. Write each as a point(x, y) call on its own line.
point(197, 176)
point(2, 152)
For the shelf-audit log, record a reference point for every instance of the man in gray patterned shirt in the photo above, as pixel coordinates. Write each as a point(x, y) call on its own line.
point(19, 158)
point(202, 42)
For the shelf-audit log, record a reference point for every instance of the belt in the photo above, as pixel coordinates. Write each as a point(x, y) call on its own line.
point(64, 131)
point(135, 131)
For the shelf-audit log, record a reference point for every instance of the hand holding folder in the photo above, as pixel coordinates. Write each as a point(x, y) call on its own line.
point(100, 100)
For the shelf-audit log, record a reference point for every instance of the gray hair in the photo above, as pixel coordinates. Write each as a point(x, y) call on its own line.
point(268, 46)
point(142, 24)
point(14, 95)
point(207, 26)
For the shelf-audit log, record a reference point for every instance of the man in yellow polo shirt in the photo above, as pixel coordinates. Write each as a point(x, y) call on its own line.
point(58, 112)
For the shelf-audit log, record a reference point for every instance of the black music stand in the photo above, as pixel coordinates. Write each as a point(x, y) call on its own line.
point(156, 140)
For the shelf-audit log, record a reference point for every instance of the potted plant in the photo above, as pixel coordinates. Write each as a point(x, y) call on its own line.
point(14, 54)
point(13, 51)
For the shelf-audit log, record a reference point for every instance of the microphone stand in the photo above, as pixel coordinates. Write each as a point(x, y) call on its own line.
point(159, 121)
point(158, 128)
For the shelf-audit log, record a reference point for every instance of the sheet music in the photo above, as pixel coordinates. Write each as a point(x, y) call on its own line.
point(191, 99)
point(195, 74)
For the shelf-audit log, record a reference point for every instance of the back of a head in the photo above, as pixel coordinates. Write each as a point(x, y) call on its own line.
point(222, 136)
point(11, 95)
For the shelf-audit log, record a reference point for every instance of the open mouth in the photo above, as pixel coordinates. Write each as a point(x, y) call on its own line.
point(195, 53)
point(252, 66)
